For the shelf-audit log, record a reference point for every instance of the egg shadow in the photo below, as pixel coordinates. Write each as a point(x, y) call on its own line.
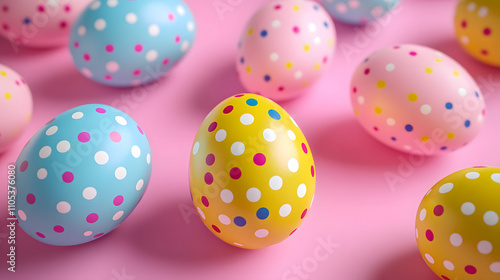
point(21, 52)
point(408, 265)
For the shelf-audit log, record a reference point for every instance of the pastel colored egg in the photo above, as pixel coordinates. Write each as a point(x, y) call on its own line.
point(251, 172)
point(359, 12)
point(416, 99)
point(16, 106)
point(457, 227)
point(477, 25)
point(285, 47)
point(129, 43)
point(39, 23)
point(81, 175)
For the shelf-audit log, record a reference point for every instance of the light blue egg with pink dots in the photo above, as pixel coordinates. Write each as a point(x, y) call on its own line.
point(128, 43)
point(359, 12)
point(81, 175)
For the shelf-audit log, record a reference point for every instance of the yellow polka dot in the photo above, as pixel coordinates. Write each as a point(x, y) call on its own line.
point(438, 60)
point(381, 84)
point(250, 32)
point(428, 70)
point(456, 73)
point(316, 66)
point(330, 42)
point(3, 73)
point(7, 96)
point(424, 138)
point(412, 97)
point(306, 48)
point(249, 70)
point(451, 135)
point(356, 112)
point(289, 65)
point(378, 110)
point(296, 8)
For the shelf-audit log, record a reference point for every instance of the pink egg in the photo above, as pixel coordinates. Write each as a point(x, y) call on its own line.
point(285, 47)
point(40, 23)
point(16, 106)
point(416, 99)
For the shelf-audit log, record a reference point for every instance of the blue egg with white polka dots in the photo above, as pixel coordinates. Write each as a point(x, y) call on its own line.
point(359, 12)
point(81, 175)
point(129, 43)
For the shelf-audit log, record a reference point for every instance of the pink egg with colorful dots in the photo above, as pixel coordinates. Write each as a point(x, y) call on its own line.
point(416, 99)
point(285, 47)
point(16, 106)
point(39, 23)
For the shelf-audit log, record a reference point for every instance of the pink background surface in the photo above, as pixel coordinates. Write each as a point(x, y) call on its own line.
point(370, 221)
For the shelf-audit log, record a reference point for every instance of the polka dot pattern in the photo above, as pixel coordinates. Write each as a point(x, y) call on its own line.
point(359, 12)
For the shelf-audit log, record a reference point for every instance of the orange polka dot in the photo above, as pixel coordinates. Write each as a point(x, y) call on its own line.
point(378, 110)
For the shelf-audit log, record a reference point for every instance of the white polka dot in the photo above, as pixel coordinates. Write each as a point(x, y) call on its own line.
point(480, 118)
point(425, 109)
point(429, 258)
point(253, 194)
point(224, 219)
point(495, 267)
point(472, 175)
point(81, 30)
point(45, 152)
point(269, 135)
point(180, 10)
point(63, 207)
point(120, 173)
point(312, 27)
point(112, 66)
point(275, 182)
point(301, 190)
point(390, 67)
point(274, 57)
point(131, 18)
point(121, 120)
point(100, 24)
point(139, 185)
point(449, 265)
point(484, 247)
point(261, 233)
point(220, 135)
point(446, 188)
point(95, 5)
point(86, 72)
point(471, 7)
point(490, 218)
point(276, 23)
point(246, 119)
point(118, 215)
point(196, 148)
point(136, 151)
point(87, 233)
point(151, 55)
point(317, 40)
point(423, 214)
point(361, 100)
point(190, 26)
point(41, 173)
point(495, 177)
point(456, 239)
point(185, 46)
point(293, 165)
point(390, 122)
point(468, 208)
point(407, 147)
point(201, 213)
point(237, 148)
point(285, 210)
point(465, 40)
point(298, 75)
point(21, 215)
point(226, 196)
point(63, 146)
point(462, 92)
point(291, 135)
point(89, 193)
point(51, 131)
point(101, 157)
point(153, 30)
point(112, 3)
point(148, 158)
point(77, 115)
point(483, 12)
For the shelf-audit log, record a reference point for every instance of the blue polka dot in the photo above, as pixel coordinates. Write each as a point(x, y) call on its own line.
point(449, 106)
point(477, 94)
point(366, 59)
point(267, 78)
point(26, 20)
point(444, 148)
point(315, 7)
point(467, 123)
point(409, 128)
point(326, 24)
point(242, 60)
point(273, 114)
point(252, 102)
point(393, 138)
point(263, 33)
point(262, 213)
point(240, 221)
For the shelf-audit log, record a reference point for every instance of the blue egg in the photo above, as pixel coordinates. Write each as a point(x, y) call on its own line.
point(81, 175)
point(129, 43)
point(359, 12)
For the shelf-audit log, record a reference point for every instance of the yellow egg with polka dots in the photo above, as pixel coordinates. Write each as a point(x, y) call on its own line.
point(457, 225)
point(251, 172)
point(477, 25)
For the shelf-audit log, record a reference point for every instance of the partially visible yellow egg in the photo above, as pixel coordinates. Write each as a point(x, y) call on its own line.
point(457, 225)
point(252, 175)
point(477, 24)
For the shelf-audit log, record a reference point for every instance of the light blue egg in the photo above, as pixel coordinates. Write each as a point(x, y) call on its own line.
point(358, 12)
point(81, 175)
point(127, 43)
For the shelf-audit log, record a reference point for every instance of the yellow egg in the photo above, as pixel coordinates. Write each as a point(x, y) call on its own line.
point(457, 225)
point(477, 24)
point(251, 172)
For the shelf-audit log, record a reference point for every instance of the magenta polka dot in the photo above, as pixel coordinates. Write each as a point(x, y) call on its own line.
point(100, 110)
point(92, 218)
point(293, 231)
point(367, 71)
point(212, 127)
point(137, 72)
point(204, 200)
point(228, 109)
point(177, 38)
point(281, 88)
point(487, 31)
point(171, 17)
point(484, 52)
point(444, 277)
point(67, 8)
point(312, 170)
point(41, 8)
point(259, 159)
point(138, 48)
point(210, 159)
point(239, 95)
point(24, 166)
point(304, 148)
point(118, 200)
point(464, 24)
point(115, 136)
point(235, 173)
point(30, 198)
point(99, 235)
point(296, 29)
point(63, 24)
point(58, 229)
point(84, 137)
point(325, 59)
point(375, 128)
point(77, 44)
point(303, 214)
point(110, 48)
point(209, 178)
point(140, 130)
point(354, 89)
point(68, 177)
point(429, 235)
point(166, 61)
point(277, 7)
point(108, 77)
point(86, 57)
point(438, 210)
point(413, 53)
point(470, 269)
point(40, 234)
point(216, 228)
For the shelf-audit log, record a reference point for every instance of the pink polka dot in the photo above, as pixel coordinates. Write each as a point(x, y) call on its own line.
point(304, 148)
point(137, 72)
point(429, 235)
point(212, 127)
point(470, 269)
point(63, 24)
point(325, 59)
point(312, 170)
point(138, 48)
point(375, 128)
point(293, 231)
point(210, 159)
point(5, 8)
point(235, 173)
point(68, 177)
point(84, 137)
point(367, 71)
point(67, 8)
point(464, 24)
point(277, 7)
point(40, 234)
point(259, 159)
point(58, 229)
point(228, 109)
point(115, 136)
point(438, 210)
point(166, 61)
point(110, 48)
point(204, 200)
point(17, 83)
point(118, 200)
point(5, 26)
point(397, 47)
point(108, 77)
point(30, 198)
point(216, 228)
point(296, 29)
point(413, 53)
point(484, 52)
point(77, 44)
point(209, 178)
point(303, 214)
point(487, 31)
point(41, 9)
point(354, 90)
point(99, 235)
point(140, 130)
point(281, 88)
point(100, 110)
point(92, 218)
point(171, 17)
point(24, 166)
point(177, 39)
point(86, 57)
